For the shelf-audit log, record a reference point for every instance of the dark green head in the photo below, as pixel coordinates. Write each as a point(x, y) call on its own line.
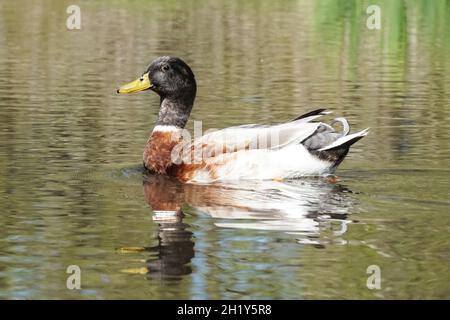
point(173, 80)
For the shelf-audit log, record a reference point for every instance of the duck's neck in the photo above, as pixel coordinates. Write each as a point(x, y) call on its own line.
point(173, 116)
point(174, 112)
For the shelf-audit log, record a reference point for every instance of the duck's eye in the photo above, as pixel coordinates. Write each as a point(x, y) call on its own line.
point(165, 67)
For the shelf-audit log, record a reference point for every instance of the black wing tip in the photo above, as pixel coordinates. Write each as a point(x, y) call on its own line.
point(309, 114)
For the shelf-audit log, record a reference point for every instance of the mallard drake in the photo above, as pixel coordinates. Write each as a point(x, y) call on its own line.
point(296, 148)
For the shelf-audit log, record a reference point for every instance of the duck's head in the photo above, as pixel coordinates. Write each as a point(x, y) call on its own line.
point(173, 80)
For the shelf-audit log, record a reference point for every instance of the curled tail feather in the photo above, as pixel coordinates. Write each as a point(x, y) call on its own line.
point(336, 151)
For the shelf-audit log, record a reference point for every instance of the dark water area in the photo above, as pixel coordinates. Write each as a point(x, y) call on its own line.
point(73, 191)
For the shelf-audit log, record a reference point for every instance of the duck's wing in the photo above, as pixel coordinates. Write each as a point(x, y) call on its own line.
point(254, 136)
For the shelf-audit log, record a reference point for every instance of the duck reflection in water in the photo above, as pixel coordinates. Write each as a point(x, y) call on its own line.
point(175, 248)
point(301, 208)
point(174, 251)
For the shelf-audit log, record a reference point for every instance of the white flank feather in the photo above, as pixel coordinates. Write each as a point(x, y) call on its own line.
point(265, 152)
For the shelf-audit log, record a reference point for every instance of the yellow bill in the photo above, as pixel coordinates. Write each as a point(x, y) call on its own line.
point(141, 84)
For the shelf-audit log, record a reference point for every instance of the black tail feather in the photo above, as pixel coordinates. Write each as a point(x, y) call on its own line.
point(309, 114)
point(346, 144)
point(336, 154)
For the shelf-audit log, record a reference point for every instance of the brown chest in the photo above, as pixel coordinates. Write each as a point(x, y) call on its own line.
point(168, 154)
point(158, 151)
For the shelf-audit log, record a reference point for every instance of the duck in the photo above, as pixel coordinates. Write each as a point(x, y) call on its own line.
point(300, 147)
